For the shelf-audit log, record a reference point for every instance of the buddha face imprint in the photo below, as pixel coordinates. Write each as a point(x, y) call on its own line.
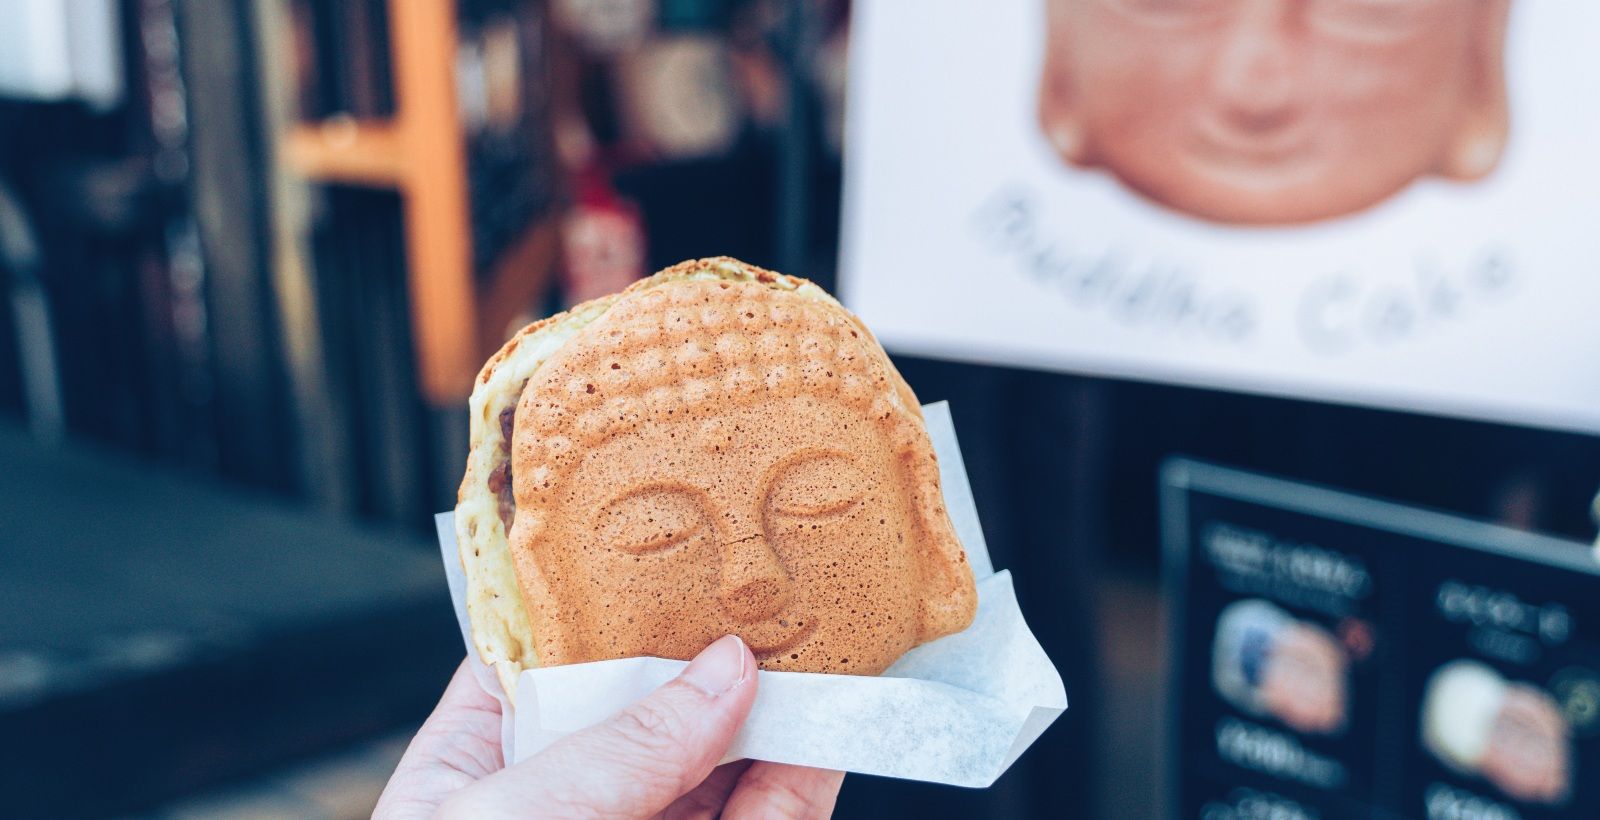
point(1275, 111)
point(782, 505)
point(767, 530)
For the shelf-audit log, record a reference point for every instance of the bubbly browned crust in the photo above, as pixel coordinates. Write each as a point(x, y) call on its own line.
point(513, 609)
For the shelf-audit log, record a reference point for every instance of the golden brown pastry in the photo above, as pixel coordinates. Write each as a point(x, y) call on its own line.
point(718, 449)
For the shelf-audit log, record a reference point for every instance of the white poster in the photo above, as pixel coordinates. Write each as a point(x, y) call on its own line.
point(1384, 202)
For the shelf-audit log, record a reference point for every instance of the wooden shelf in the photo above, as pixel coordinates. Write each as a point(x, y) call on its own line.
point(347, 151)
point(421, 153)
point(520, 277)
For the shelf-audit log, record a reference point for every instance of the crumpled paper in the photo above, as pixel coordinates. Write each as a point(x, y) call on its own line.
point(959, 710)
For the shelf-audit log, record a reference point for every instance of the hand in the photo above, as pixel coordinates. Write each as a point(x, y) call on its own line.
point(657, 757)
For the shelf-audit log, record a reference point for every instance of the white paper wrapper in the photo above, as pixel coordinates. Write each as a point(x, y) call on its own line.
point(959, 710)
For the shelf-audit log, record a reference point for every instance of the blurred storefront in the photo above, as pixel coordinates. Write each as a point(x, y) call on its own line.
point(254, 252)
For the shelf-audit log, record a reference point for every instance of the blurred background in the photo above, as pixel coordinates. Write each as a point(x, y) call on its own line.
point(253, 253)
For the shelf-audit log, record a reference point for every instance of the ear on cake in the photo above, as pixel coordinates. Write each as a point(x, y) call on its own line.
point(949, 597)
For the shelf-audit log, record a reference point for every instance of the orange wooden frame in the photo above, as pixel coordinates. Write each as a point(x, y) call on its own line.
point(421, 152)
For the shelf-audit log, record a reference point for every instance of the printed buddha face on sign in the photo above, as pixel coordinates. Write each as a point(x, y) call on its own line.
point(746, 462)
point(1275, 111)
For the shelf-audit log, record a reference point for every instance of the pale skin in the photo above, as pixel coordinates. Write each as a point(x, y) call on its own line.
point(657, 758)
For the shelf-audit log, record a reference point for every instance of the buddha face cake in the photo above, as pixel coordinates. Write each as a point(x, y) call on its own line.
point(717, 450)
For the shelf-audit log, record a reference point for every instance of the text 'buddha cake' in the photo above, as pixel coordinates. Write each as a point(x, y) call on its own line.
point(716, 450)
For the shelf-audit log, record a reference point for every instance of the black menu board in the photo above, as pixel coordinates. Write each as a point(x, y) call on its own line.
point(1337, 656)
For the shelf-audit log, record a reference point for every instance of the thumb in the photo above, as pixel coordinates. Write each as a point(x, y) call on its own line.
point(639, 760)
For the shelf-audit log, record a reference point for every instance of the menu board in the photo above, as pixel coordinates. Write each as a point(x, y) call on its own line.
point(1358, 201)
point(1336, 656)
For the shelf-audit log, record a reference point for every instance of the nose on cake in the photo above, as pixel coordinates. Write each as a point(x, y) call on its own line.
point(754, 585)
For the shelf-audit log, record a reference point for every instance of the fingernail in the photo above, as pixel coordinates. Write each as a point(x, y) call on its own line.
point(719, 667)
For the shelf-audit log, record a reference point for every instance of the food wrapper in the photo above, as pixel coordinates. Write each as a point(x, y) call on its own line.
point(958, 710)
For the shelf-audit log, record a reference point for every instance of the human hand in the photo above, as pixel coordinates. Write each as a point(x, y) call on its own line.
point(656, 758)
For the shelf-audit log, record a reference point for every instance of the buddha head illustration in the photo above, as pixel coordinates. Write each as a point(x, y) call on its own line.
point(720, 450)
point(1262, 112)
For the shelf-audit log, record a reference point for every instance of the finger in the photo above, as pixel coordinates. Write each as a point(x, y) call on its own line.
point(458, 745)
point(638, 761)
point(779, 790)
point(463, 731)
point(705, 801)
